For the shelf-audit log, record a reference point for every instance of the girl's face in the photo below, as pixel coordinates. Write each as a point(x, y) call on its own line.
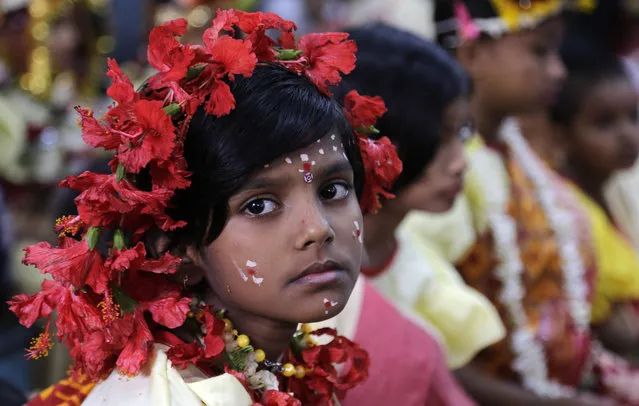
point(292, 247)
point(436, 190)
point(519, 72)
point(604, 134)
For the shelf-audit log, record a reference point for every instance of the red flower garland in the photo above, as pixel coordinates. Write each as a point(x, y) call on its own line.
point(103, 300)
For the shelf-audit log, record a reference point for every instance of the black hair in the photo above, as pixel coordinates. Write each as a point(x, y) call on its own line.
point(587, 67)
point(277, 112)
point(417, 81)
point(10, 395)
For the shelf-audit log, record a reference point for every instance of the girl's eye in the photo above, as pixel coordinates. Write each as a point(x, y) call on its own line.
point(334, 191)
point(259, 207)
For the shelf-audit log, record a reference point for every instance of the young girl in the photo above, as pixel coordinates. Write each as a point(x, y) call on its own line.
point(425, 92)
point(529, 243)
point(595, 118)
point(232, 206)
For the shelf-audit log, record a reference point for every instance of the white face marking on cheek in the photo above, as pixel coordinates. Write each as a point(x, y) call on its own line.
point(334, 148)
point(333, 137)
point(258, 281)
point(321, 151)
point(266, 166)
point(328, 304)
point(313, 163)
point(320, 140)
point(304, 157)
point(357, 233)
point(288, 160)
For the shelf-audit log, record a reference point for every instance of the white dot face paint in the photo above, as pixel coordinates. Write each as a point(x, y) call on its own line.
point(329, 304)
point(321, 151)
point(357, 233)
point(288, 161)
point(333, 137)
point(334, 148)
point(266, 166)
point(250, 271)
point(304, 157)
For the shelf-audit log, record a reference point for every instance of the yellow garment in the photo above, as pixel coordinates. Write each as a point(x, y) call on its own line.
point(422, 280)
point(162, 385)
point(617, 262)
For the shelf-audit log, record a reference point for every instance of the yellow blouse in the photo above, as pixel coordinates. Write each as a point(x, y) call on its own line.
point(617, 261)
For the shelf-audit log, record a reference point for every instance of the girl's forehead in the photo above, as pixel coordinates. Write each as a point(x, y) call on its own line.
point(326, 149)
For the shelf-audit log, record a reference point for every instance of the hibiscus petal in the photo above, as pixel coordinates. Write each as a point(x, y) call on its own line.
point(138, 347)
point(170, 311)
point(166, 54)
point(30, 308)
point(363, 111)
point(94, 133)
point(121, 89)
point(221, 101)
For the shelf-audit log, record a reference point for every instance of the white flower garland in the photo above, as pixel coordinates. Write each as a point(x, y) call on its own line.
point(530, 361)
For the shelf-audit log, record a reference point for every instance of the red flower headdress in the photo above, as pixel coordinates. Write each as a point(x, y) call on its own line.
point(108, 305)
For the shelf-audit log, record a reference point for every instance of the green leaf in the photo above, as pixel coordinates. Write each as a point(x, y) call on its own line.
point(126, 303)
point(118, 240)
point(289, 54)
point(172, 109)
point(120, 173)
point(92, 236)
point(298, 343)
point(367, 130)
point(194, 72)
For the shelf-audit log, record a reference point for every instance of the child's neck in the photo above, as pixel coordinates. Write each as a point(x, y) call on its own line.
point(591, 182)
point(487, 120)
point(272, 336)
point(379, 235)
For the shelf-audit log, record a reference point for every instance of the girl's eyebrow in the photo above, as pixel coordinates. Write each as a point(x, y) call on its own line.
point(278, 182)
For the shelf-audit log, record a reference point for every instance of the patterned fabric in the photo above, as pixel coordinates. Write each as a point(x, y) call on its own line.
point(69, 392)
point(544, 299)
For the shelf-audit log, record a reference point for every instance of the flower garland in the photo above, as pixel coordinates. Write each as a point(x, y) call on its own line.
point(530, 361)
point(309, 375)
point(110, 305)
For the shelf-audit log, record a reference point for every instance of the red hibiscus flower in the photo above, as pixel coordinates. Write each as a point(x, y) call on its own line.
point(171, 59)
point(138, 346)
point(152, 137)
point(363, 111)
point(30, 308)
point(76, 264)
point(94, 133)
point(320, 385)
point(255, 26)
point(213, 342)
point(229, 57)
point(104, 202)
point(181, 355)
point(328, 55)
point(277, 398)
point(121, 89)
point(382, 166)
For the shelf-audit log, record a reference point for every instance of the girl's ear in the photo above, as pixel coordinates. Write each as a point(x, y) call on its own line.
point(191, 271)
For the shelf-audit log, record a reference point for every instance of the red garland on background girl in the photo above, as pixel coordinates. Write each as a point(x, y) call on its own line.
point(110, 306)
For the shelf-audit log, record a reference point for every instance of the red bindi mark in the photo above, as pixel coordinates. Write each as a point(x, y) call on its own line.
point(307, 167)
point(251, 272)
point(327, 304)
